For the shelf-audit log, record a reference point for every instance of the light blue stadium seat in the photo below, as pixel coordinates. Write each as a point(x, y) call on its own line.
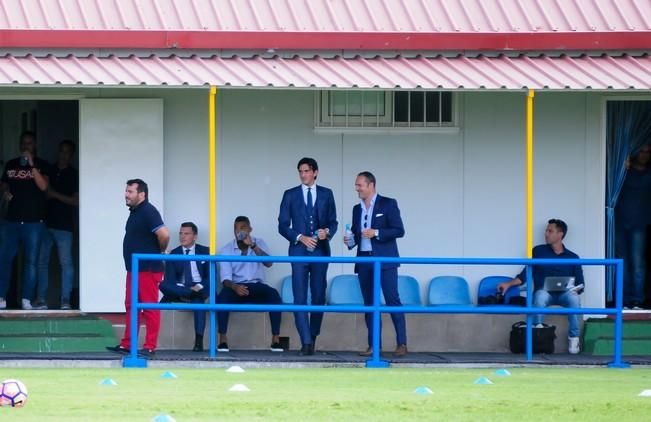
point(448, 290)
point(287, 294)
point(345, 290)
point(488, 287)
point(408, 289)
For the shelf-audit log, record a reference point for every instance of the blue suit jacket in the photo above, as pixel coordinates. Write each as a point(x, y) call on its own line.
point(386, 218)
point(292, 217)
point(174, 269)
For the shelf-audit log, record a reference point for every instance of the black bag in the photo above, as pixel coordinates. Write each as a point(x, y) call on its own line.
point(543, 338)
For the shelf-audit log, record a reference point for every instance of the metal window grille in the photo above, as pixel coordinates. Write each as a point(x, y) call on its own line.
point(385, 109)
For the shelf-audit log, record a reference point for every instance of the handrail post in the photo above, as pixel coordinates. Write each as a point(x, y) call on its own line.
point(213, 293)
point(133, 361)
point(619, 317)
point(529, 336)
point(375, 361)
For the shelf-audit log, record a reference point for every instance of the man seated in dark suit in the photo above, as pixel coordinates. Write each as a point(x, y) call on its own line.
point(243, 282)
point(188, 281)
point(376, 226)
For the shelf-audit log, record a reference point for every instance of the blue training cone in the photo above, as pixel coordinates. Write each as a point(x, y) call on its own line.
point(483, 381)
point(423, 391)
point(107, 381)
point(168, 375)
point(502, 373)
point(163, 418)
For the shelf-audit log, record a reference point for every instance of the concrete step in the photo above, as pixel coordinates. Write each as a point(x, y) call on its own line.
point(55, 343)
point(48, 334)
point(55, 326)
point(630, 347)
point(599, 334)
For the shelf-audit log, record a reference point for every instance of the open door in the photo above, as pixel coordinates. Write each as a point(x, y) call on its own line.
point(119, 139)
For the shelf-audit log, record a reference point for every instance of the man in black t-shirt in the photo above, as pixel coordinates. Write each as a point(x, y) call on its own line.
point(61, 214)
point(24, 182)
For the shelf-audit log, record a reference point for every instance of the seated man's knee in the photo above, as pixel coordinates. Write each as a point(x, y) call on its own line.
point(541, 299)
point(165, 289)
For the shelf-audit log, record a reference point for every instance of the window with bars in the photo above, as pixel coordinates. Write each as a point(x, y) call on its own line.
point(385, 109)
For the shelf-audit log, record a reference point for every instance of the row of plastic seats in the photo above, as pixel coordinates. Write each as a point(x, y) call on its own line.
point(443, 290)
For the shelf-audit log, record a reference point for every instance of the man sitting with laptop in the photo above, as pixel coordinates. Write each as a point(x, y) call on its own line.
point(554, 284)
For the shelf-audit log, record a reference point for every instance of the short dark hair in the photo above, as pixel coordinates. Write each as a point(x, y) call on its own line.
point(68, 142)
point(190, 224)
point(368, 175)
point(242, 219)
point(560, 225)
point(142, 186)
point(27, 134)
point(311, 162)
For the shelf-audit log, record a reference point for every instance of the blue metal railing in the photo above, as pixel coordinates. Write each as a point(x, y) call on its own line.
point(375, 362)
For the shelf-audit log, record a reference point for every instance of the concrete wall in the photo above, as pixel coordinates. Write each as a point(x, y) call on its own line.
point(461, 193)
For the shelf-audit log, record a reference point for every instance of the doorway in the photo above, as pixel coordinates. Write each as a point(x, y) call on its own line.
point(628, 198)
point(52, 121)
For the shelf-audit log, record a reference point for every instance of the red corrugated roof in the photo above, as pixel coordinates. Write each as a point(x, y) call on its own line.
point(328, 24)
point(605, 72)
point(453, 16)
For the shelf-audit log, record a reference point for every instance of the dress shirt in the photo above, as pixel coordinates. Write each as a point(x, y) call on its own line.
point(364, 243)
point(242, 272)
point(196, 276)
point(304, 187)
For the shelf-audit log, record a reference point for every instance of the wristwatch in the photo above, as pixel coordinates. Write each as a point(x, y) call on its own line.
point(377, 233)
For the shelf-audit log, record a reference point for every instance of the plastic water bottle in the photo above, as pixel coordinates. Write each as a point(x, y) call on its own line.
point(316, 239)
point(350, 242)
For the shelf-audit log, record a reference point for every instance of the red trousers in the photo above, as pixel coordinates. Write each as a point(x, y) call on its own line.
point(147, 293)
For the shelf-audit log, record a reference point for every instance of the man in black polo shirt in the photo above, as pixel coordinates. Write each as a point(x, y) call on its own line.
point(145, 232)
point(62, 203)
point(23, 186)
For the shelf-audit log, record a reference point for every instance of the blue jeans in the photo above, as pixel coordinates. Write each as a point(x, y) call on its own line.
point(15, 234)
point(630, 246)
point(63, 240)
point(543, 299)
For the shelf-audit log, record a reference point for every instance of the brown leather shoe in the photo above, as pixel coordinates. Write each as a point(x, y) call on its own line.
point(400, 351)
point(368, 352)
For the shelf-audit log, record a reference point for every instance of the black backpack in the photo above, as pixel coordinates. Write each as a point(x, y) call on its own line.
point(543, 338)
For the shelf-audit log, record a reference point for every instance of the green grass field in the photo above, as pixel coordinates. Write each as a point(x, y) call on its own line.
point(337, 394)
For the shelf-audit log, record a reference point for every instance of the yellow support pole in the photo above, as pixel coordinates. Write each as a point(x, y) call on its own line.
point(529, 172)
point(212, 154)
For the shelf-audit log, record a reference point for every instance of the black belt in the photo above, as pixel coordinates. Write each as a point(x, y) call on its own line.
point(365, 253)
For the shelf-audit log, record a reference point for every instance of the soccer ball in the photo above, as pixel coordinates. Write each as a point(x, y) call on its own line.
point(13, 393)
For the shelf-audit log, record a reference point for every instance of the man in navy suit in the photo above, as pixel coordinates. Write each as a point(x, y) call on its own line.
point(188, 281)
point(308, 220)
point(376, 226)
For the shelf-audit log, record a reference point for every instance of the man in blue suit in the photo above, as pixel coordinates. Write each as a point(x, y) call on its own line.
point(188, 281)
point(376, 226)
point(308, 220)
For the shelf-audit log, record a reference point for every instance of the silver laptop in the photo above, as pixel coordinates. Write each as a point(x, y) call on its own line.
point(558, 284)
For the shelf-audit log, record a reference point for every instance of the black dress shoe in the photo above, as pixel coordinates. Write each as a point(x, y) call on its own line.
point(306, 350)
point(198, 344)
point(146, 353)
point(118, 349)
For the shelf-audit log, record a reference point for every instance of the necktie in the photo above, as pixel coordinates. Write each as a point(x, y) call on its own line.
point(187, 271)
point(309, 200)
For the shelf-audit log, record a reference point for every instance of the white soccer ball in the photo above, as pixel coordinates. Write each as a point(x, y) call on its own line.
point(13, 393)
